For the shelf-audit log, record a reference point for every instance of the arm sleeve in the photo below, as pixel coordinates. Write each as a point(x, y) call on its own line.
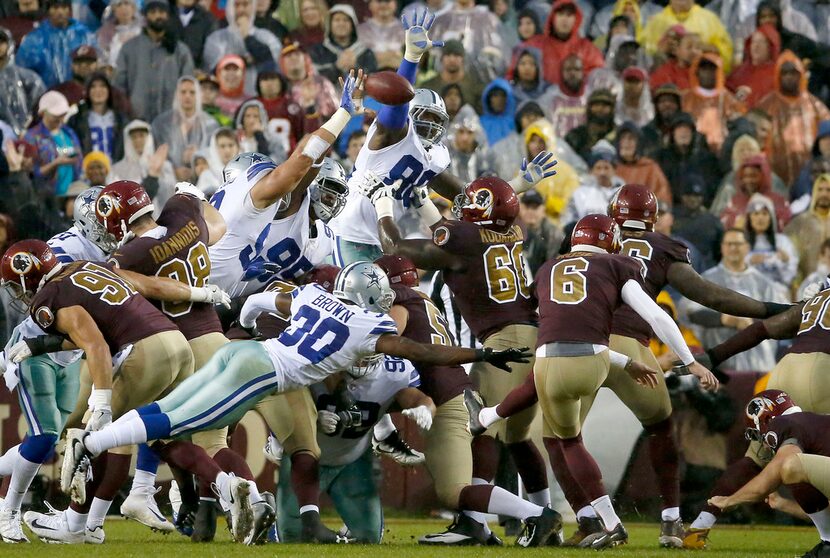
point(394, 117)
point(665, 328)
point(742, 341)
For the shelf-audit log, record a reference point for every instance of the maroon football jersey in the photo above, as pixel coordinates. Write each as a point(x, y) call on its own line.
point(578, 294)
point(180, 252)
point(658, 252)
point(492, 290)
point(268, 325)
point(809, 431)
point(814, 332)
point(122, 315)
point(426, 324)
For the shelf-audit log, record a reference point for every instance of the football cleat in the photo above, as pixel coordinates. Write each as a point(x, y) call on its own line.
point(616, 536)
point(140, 505)
point(11, 529)
point(204, 523)
point(313, 530)
point(463, 531)
point(821, 550)
point(474, 404)
point(242, 518)
point(540, 529)
point(264, 516)
point(94, 535)
point(671, 533)
point(52, 527)
point(493, 540)
point(588, 530)
point(393, 447)
point(75, 465)
point(695, 539)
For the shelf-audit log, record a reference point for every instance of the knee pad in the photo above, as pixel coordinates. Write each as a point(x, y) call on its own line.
point(38, 449)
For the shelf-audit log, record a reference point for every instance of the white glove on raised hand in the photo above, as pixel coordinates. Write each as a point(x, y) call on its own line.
point(210, 294)
point(352, 98)
point(417, 37)
point(19, 352)
point(190, 190)
point(533, 172)
point(100, 407)
point(421, 415)
point(327, 421)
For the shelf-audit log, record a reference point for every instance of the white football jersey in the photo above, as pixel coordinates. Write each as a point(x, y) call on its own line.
point(324, 337)
point(230, 257)
point(407, 160)
point(286, 245)
point(374, 393)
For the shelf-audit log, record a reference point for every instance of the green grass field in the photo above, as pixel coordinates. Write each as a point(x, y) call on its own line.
point(128, 539)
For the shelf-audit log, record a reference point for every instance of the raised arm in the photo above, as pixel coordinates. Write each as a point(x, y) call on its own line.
point(396, 345)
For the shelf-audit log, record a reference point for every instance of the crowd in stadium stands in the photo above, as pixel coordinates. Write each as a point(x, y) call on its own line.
point(720, 109)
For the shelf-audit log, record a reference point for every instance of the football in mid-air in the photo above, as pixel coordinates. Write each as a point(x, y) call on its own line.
point(389, 88)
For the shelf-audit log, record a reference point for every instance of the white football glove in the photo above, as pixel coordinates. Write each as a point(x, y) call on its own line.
point(100, 406)
point(273, 450)
point(421, 415)
point(533, 172)
point(210, 294)
point(327, 421)
point(19, 352)
point(419, 196)
point(190, 190)
point(417, 37)
point(810, 291)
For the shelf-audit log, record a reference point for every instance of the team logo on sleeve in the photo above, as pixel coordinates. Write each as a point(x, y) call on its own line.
point(44, 317)
point(22, 263)
point(441, 236)
point(771, 439)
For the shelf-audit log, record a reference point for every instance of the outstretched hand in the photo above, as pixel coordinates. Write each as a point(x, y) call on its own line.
point(352, 97)
point(501, 359)
point(539, 168)
point(417, 37)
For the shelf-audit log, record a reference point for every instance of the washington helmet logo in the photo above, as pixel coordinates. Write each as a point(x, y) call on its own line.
point(105, 205)
point(22, 263)
point(483, 200)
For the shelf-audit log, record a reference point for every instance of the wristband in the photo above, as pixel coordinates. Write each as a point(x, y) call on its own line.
point(100, 398)
point(481, 355)
point(198, 294)
point(43, 344)
point(385, 207)
point(429, 213)
point(619, 360)
point(315, 147)
point(337, 122)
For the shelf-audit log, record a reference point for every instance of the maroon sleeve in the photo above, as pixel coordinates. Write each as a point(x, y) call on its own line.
point(791, 429)
point(676, 251)
point(133, 256)
point(630, 268)
point(453, 237)
point(185, 204)
point(45, 306)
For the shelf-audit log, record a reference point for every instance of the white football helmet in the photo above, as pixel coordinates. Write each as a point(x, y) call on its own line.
point(85, 221)
point(244, 161)
point(329, 191)
point(429, 114)
point(366, 285)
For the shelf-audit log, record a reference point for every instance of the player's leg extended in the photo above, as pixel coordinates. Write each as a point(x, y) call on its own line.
point(347, 252)
point(495, 385)
point(652, 407)
point(356, 498)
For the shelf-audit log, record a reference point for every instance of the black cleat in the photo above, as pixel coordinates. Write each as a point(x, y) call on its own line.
point(474, 403)
point(541, 530)
point(264, 516)
point(393, 446)
point(588, 530)
point(184, 520)
point(616, 536)
point(494, 540)
point(313, 530)
point(671, 533)
point(821, 550)
point(464, 531)
point(204, 522)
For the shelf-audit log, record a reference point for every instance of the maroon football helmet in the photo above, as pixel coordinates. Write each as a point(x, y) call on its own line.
point(399, 270)
point(761, 409)
point(597, 230)
point(488, 201)
point(120, 204)
point(24, 266)
point(634, 206)
point(323, 275)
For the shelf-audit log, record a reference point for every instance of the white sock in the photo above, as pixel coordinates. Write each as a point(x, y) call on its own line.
point(223, 485)
point(24, 472)
point(143, 479)
point(98, 512)
point(488, 416)
point(7, 461)
point(309, 508)
point(126, 431)
point(541, 498)
point(75, 521)
point(586, 511)
point(670, 514)
point(254, 495)
point(384, 428)
point(503, 502)
point(480, 518)
point(605, 511)
point(821, 520)
point(704, 520)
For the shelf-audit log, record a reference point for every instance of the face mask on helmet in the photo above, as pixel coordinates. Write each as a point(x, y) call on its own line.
point(429, 116)
point(365, 365)
point(87, 223)
point(329, 192)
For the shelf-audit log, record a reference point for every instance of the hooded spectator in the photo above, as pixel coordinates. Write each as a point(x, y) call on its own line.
point(623, 52)
point(770, 252)
point(561, 37)
point(193, 24)
point(503, 10)
point(567, 100)
point(98, 123)
point(693, 222)
point(121, 23)
point(597, 188)
point(556, 190)
point(255, 134)
point(753, 177)
point(266, 18)
point(312, 28)
point(145, 164)
point(656, 133)
point(467, 143)
point(20, 88)
point(479, 31)
point(384, 32)
point(512, 149)
point(453, 70)
point(315, 94)
point(634, 103)
point(341, 50)
point(709, 102)
point(499, 106)
point(634, 167)
point(750, 81)
point(621, 26)
point(223, 147)
point(687, 153)
point(676, 70)
point(528, 83)
point(694, 19)
point(528, 24)
point(741, 17)
point(811, 228)
point(209, 88)
point(230, 73)
point(638, 12)
point(47, 48)
point(797, 32)
point(795, 113)
point(285, 115)
point(599, 123)
point(804, 184)
point(184, 128)
point(259, 48)
point(150, 64)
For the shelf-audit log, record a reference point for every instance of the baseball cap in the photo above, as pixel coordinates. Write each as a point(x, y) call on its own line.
point(532, 197)
point(85, 52)
point(453, 46)
point(667, 89)
point(54, 103)
point(51, 3)
point(633, 72)
point(602, 96)
point(155, 4)
point(693, 186)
